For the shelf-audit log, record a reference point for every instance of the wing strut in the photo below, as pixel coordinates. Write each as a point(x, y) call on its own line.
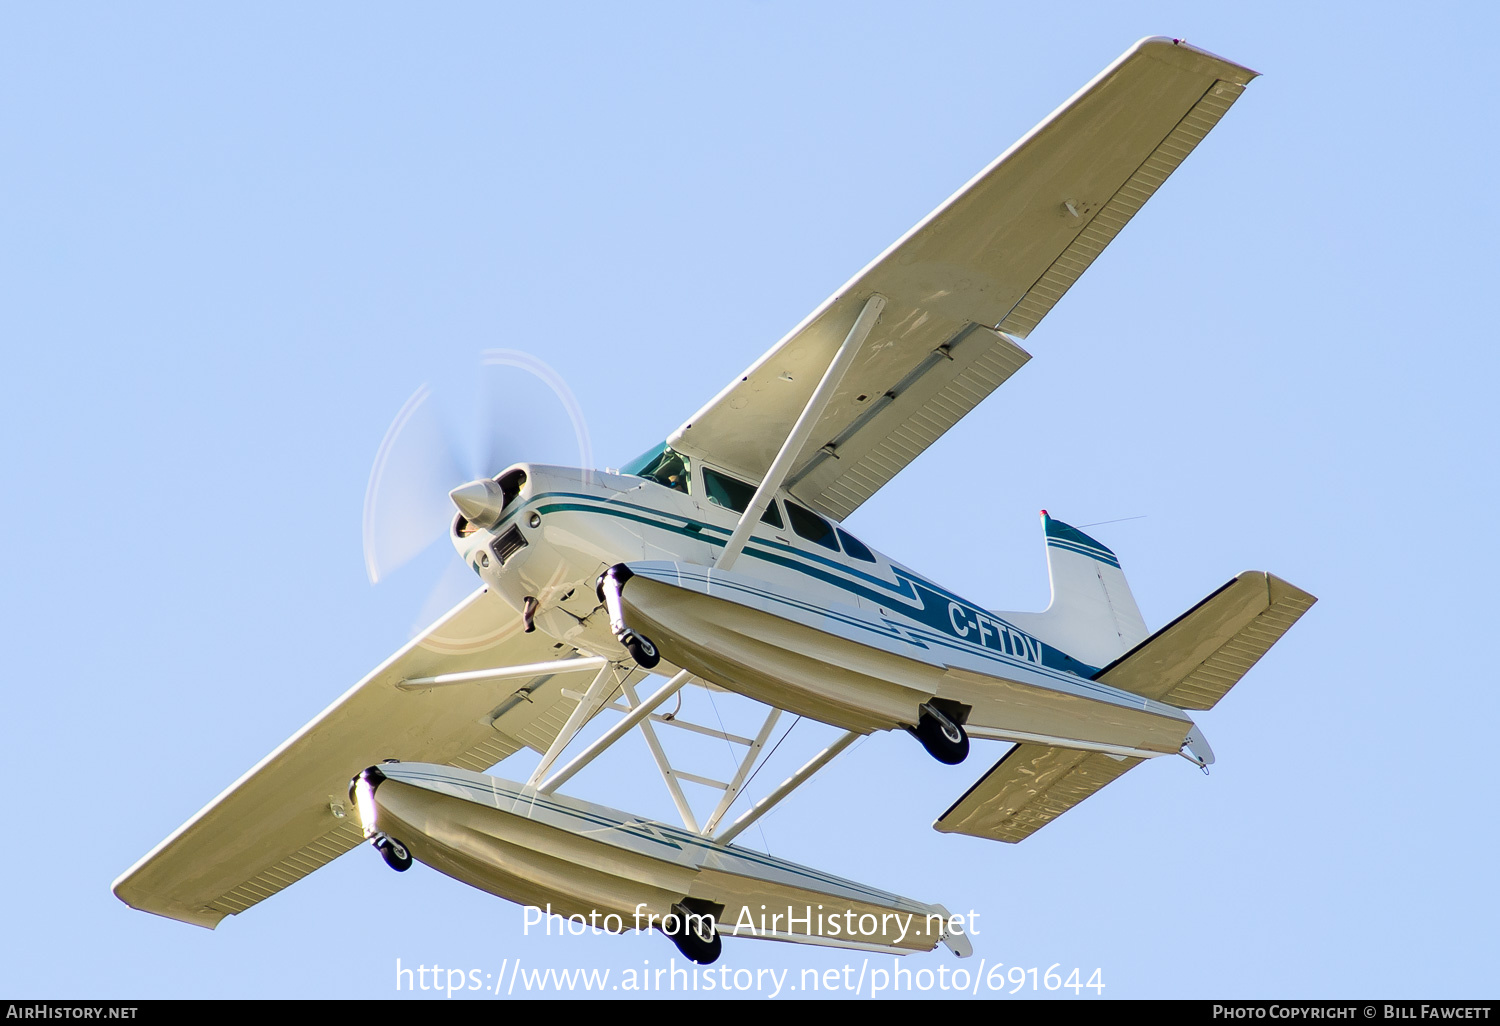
point(600, 690)
point(753, 748)
point(792, 447)
point(678, 798)
point(733, 790)
point(503, 673)
point(788, 785)
point(641, 714)
point(613, 734)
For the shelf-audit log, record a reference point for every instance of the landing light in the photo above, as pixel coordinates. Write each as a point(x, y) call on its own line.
point(364, 800)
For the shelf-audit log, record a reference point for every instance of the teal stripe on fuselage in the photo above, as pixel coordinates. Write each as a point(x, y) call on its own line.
point(907, 594)
point(905, 632)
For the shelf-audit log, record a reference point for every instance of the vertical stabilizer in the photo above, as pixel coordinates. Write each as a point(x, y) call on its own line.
point(1093, 616)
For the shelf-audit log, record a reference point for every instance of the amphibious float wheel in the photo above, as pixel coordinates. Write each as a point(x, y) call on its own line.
point(395, 854)
point(695, 946)
point(641, 650)
point(948, 743)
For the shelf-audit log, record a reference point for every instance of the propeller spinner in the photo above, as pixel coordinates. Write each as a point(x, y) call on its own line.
point(414, 483)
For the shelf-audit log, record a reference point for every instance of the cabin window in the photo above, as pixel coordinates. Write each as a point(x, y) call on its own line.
point(811, 526)
point(662, 465)
point(723, 490)
point(855, 547)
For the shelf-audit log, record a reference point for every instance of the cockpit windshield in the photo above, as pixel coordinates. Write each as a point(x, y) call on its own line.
point(662, 465)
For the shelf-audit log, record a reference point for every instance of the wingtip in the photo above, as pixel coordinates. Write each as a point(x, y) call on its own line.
point(1177, 48)
point(124, 888)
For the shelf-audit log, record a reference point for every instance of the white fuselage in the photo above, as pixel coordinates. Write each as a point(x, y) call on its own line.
point(866, 641)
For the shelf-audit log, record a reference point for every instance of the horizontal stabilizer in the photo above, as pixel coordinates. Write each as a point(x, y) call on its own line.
point(1029, 788)
point(1194, 660)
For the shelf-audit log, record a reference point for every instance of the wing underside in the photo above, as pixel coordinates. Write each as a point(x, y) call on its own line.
point(983, 268)
point(290, 814)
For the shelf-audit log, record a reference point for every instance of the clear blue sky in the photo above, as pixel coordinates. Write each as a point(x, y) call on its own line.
point(236, 241)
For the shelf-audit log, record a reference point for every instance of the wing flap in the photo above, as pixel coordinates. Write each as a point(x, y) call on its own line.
point(1194, 661)
point(290, 814)
point(1029, 788)
point(907, 419)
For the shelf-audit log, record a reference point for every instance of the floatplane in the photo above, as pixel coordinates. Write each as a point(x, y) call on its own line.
point(719, 559)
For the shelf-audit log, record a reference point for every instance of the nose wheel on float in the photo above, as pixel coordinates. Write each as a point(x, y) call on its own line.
point(640, 647)
point(393, 851)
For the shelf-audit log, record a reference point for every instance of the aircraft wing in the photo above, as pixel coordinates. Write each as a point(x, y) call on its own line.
point(291, 814)
point(986, 265)
point(1028, 788)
